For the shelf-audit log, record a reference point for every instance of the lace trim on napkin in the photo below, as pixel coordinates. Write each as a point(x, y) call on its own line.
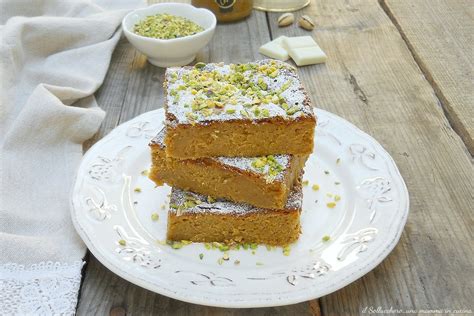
point(46, 288)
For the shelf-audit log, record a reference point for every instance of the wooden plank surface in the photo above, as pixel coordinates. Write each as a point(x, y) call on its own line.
point(133, 87)
point(372, 80)
point(440, 35)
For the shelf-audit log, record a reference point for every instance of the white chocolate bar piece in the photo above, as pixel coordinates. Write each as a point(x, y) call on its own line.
point(304, 50)
point(298, 41)
point(274, 49)
point(308, 55)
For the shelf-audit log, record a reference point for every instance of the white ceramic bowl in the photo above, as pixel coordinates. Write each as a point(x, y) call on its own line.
point(172, 52)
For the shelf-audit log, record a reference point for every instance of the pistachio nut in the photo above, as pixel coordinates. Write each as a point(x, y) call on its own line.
point(286, 19)
point(306, 22)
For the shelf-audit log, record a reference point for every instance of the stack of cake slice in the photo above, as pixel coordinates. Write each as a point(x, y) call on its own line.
point(233, 148)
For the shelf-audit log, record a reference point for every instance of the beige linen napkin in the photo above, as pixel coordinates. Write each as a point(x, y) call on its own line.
point(54, 55)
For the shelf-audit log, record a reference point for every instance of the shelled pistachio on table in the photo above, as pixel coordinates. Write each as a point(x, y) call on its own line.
point(286, 19)
point(306, 22)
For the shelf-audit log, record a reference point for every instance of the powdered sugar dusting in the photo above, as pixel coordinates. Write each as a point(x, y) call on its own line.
point(179, 104)
point(159, 139)
point(224, 207)
point(244, 163)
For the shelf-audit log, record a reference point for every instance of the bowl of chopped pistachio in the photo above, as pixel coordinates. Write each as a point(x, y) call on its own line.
point(169, 34)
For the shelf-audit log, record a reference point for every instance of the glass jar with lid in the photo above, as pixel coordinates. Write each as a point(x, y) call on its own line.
point(280, 5)
point(226, 10)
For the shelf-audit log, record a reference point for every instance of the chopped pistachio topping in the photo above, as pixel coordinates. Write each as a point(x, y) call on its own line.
point(220, 246)
point(201, 255)
point(154, 217)
point(220, 261)
point(326, 172)
point(331, 204)
point(166, 26)
point(178, 244)
point(292, 110)
point(210, 199)
point(245, 113)
point(224, 248)
point(267, 165)
point(305, 182)
point(122, 242)
point(200, 65)
point(326, 238)
point(337, 198)
point(338, 160)
point(315, 187)
point(245, 89)
point(138, 190)
point(188, 203)
point(231, 246)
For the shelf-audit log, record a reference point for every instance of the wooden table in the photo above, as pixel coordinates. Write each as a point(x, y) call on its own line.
point(401, 70)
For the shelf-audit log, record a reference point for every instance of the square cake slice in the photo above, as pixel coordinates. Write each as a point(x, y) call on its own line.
point(262, 181)
point(247, 110)
point(192, 217)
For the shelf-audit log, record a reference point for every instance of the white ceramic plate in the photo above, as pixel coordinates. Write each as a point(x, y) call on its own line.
point(364, 226)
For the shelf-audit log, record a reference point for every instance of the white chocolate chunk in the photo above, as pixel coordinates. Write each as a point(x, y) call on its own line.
point(308, 55)
point(304, 50)
point(279, 40)
point(298, 41)
point(274, 49)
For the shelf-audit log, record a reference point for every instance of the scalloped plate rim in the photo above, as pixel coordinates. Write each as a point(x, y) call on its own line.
point(276, 301)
